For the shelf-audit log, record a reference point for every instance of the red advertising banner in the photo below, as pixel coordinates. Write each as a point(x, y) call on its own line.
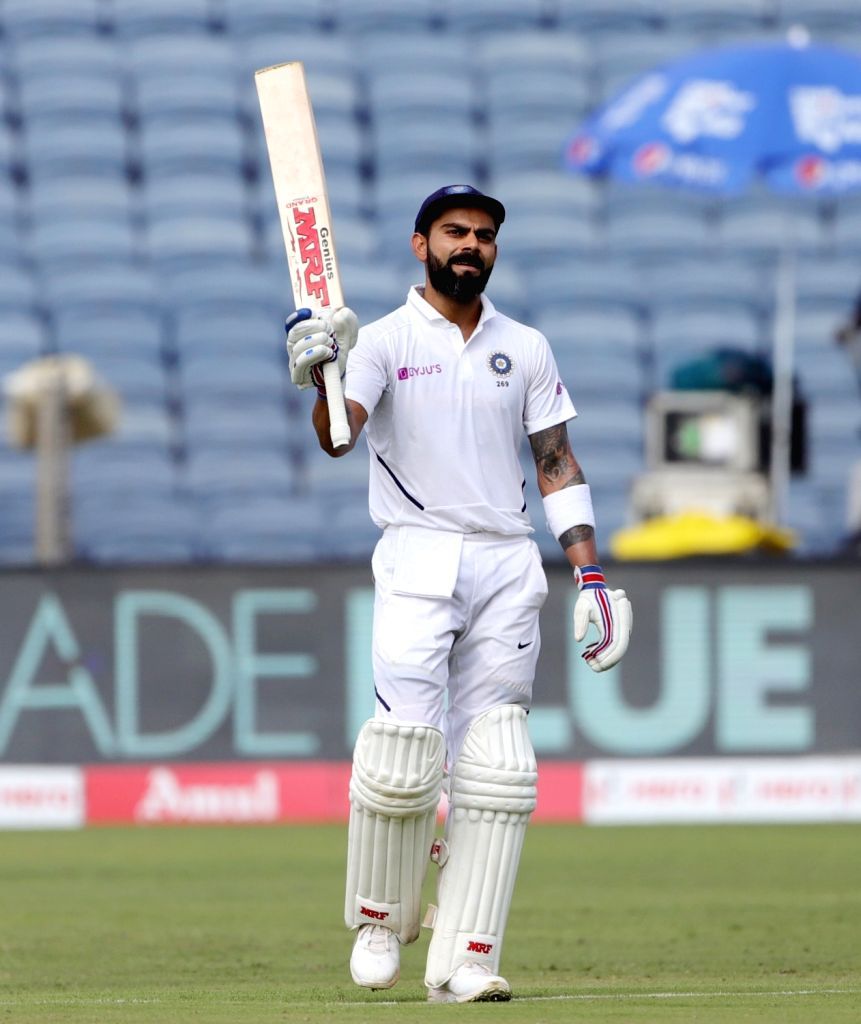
point(226, 793)
point(265, 793)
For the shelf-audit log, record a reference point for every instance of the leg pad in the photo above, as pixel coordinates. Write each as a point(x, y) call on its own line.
point(394, 794)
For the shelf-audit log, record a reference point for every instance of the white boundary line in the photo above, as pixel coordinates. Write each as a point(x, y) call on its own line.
point(586, 997)
point(583, 997)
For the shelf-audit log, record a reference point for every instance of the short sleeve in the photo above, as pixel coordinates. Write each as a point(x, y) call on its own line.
point(366, 372)
point(547, 400)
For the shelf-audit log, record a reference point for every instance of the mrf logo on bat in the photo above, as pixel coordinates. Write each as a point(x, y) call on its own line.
point(313, 246)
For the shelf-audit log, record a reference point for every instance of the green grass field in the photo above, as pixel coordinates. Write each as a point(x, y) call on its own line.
point(169, 925)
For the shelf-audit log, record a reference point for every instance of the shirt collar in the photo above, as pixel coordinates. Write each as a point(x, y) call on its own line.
point(420, 305)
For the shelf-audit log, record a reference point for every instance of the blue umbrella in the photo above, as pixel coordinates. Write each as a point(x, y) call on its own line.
point(786, 114)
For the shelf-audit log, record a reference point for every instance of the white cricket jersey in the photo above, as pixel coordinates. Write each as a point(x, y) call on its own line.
point(446, 418)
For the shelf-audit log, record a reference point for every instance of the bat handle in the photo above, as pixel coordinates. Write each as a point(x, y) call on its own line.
point(338, 426)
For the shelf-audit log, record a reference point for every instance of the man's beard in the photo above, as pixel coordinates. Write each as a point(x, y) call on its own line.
point(460, 287)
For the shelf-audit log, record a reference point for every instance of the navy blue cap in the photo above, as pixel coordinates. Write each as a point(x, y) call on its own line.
point(456, 195)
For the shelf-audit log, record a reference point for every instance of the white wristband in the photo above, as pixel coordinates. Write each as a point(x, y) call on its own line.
point(572, 506)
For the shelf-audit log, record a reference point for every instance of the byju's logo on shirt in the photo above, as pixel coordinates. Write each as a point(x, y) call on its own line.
point(405, 372)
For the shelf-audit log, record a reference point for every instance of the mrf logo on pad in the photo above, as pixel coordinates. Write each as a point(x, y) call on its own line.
point(315, 252)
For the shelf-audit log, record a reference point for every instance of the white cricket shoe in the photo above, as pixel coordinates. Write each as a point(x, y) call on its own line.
point(376, 958)
point(472, 983)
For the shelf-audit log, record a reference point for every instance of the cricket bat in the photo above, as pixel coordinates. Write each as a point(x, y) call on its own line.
point(303, 205)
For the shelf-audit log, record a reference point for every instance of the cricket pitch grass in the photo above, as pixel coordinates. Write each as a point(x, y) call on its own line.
point(243, 925)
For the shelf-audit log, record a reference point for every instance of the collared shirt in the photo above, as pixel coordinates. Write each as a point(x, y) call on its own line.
point(446, 418)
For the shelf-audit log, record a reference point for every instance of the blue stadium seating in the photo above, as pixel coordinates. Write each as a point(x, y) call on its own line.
point(131, 19)
point(139, 227)
point(33, 18)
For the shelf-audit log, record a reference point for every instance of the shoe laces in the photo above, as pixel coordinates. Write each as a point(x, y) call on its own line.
point(376, 938)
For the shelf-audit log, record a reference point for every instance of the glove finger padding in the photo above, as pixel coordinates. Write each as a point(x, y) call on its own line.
point(611, 613)
point(310, 341)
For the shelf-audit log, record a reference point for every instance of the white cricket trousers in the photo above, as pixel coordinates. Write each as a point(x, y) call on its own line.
point(445, 660)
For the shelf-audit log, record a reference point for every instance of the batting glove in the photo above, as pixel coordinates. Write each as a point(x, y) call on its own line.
point(611, 613)
point(315, 338)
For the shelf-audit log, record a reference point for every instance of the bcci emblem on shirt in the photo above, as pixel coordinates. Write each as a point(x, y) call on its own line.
point(500, 364)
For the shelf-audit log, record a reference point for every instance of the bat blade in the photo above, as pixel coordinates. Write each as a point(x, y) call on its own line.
point(299, 181)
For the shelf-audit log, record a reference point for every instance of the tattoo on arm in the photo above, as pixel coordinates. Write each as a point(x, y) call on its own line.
point(576, 535)
point(553, 457)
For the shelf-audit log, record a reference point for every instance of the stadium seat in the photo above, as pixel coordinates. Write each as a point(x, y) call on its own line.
point(265, 530)
point(11, 206)
point(705, 326)
point(602, 420)
point(526, 51)
point(104, 468)
point(356, 17)
point(53, 151)
point(241, 286)
point(527, 143)
point(587, 282)
point(815, 327)
point(844, 237)
point(236, 380)
point(506, 289)
point(835, 280)
point(200, 194)
point(81, 199)
point(594, 370)
point(423, 95)
point(594, 16)
point(215, 476)
point(115, 286)
point(32, 18)
point(186, 97)
point(613, 330)
point(227, 331)
point(545, 237)
point(244, 18)
point(22, 337)
point(481, 16)
point(174, 243)
point(19, 292)
point(191, 147)
point(54, 98)
point(190, 53)
point(661, 233)
point(539, 92)
point(689, 282)
point(405, 52)
point(131, 19)
point(142, 531)
point(825, 373)
point(446, 149)
point(97, 331)
point(538, 192)
point(90, 55)
point(135, 377)
point(728, 15)
point(57, 245)
point(752, 231)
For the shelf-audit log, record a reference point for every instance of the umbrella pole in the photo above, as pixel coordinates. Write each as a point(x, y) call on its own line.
point(782, 372)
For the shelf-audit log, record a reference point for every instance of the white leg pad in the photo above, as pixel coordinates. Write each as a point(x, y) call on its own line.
point(394, 794)
point(493, 791)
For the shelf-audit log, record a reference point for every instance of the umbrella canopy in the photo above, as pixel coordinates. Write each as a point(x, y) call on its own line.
point(785, 113)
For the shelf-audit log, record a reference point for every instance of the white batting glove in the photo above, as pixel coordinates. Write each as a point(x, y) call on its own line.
point(611, 613)
point(315, 338)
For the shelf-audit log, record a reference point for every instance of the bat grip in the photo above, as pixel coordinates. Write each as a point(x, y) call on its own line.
point(338, 426)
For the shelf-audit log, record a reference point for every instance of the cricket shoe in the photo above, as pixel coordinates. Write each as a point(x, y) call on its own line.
point(472, 983)
point(376, 958)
